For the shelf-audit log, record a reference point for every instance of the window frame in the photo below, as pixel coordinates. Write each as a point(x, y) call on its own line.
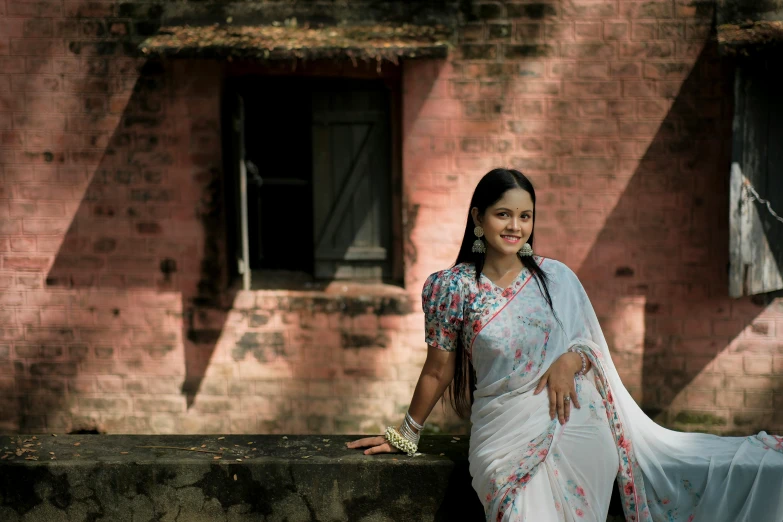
point(274, 279)
point(755, 236)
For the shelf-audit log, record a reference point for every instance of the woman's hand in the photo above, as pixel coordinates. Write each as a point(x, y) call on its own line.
point(559, 379)
point(377, 444)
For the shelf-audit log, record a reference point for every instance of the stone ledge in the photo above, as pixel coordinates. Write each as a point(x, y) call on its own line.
point(257, 478)
point(269, 478)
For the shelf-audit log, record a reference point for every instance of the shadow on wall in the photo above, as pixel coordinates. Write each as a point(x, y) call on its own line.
point(144, 263)
point(150, 226)
point(118, 224)
point(666, 244)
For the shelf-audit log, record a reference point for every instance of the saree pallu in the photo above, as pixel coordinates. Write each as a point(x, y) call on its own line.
point(526, 466)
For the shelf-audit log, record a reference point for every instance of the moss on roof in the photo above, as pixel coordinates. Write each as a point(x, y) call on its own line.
point(286, 41)
point(749, 36)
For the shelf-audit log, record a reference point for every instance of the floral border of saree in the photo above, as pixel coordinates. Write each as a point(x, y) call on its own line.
point(629, 475)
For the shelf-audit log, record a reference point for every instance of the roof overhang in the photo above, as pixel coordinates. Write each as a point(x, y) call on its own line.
point(750, 36)
point(749, 28)
point(276, 42)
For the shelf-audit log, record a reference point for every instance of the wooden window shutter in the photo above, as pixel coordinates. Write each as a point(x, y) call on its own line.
point(351, 184)
point(755, 234)
point(237, 189)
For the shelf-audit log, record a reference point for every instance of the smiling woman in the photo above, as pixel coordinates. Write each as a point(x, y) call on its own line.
point(506, 226)
point(497, 342)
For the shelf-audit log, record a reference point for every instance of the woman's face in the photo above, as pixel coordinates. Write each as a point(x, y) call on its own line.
point(507, 223)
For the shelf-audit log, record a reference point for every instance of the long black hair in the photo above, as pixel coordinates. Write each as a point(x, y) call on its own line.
point(489, 190)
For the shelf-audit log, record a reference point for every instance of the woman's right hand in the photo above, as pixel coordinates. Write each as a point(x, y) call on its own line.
point(377, 444)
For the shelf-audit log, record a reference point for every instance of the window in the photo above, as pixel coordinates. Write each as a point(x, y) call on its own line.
point(312, 170)
point(756, 234)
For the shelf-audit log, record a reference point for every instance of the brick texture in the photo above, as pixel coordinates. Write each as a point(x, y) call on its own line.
point(115, 309)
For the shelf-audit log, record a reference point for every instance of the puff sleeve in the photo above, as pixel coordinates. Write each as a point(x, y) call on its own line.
point(442, 301)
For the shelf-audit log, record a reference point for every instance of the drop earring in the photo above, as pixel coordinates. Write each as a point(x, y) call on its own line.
point(526, 250)
point(478, 244)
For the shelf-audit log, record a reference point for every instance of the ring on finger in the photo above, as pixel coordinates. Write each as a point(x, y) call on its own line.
point(567, 399)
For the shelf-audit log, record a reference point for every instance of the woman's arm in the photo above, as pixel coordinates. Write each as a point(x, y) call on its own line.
point(436, 375)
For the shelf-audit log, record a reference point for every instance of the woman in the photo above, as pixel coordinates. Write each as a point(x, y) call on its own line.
point(507, 325)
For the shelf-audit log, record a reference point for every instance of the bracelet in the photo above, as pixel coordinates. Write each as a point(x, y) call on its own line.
point(584, 361)
point(406, 431)
point(394, 438)
point(412, 422)
point(410, 429)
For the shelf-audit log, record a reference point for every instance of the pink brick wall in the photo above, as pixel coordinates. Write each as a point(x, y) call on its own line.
point(114, 312)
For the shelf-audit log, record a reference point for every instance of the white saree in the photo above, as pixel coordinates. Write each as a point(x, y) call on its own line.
point(526, 467)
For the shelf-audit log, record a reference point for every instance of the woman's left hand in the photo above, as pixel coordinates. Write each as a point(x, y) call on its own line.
point(560, 381)
point(376, 444)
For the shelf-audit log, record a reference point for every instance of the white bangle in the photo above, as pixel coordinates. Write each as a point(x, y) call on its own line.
point(584, 361)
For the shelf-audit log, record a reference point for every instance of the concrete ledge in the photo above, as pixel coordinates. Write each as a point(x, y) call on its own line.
point(242, 478)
